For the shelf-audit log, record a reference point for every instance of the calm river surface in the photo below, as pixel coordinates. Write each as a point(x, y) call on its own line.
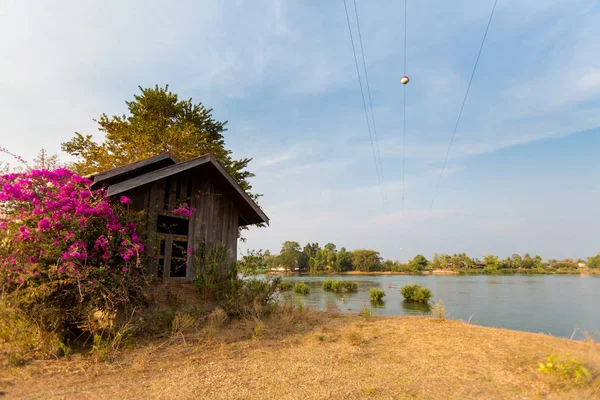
point(550, 304)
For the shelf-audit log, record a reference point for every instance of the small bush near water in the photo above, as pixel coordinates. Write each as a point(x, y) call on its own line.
point(439, 311)
point(301, 288)
point(416, 293)
point(284, 286)
point(340, 286)
point(377, 294)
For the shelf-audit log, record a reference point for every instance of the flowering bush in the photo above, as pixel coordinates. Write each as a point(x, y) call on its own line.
point(183, 210)
point(65, 253)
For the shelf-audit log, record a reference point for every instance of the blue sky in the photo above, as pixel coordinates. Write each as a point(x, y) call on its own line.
point(523, 173)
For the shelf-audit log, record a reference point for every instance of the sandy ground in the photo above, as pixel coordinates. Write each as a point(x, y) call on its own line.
point(316, 355)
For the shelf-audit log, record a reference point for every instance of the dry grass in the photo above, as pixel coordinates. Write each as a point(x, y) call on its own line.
point(315, 355)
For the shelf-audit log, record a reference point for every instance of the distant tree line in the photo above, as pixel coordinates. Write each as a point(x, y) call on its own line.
point(314, 259)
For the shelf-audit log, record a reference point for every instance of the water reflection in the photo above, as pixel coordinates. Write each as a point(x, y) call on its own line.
point(332, 306)
point(377, 303)
point(412, 308)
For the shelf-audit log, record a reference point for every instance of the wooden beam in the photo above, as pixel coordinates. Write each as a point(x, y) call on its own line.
point(125, 169)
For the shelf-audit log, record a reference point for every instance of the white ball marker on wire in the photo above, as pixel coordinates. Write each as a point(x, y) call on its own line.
point(404, 80)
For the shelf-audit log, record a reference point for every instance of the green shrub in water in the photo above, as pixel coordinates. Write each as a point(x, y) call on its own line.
point(340, 286)
point(284, 286)
point(351, 286)
point(376, 294)
point(416, 293)
point(301, 288)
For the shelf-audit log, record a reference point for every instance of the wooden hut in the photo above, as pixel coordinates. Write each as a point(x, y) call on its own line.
point(188, 206)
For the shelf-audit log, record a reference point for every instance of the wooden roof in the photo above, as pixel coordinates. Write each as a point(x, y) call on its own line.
point(250, 212)
point(134, 169)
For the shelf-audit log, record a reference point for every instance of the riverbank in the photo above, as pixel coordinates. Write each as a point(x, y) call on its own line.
point(580, 271)
point(316, 355)
point(432, 272)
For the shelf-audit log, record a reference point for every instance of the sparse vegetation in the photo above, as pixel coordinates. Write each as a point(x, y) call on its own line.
point(301, 288)
point(416, 293)
point(377, 294)
point(567, 368)
point(365, 313)
point(288, 338)
point(340, 286)
point(285, 286)
point(439, 311)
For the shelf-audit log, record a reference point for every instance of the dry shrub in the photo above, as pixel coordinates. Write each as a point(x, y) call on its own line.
point(439, 311)
point(182, 323)
point(258, 330)
point(217, 318)
point(108, 345)
point(21, 337)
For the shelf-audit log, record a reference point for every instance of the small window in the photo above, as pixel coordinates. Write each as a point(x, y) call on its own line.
point(173, 225)
point(179, 258)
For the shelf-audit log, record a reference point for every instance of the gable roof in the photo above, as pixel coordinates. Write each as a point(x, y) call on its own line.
point(134, 169)
point(250, 212)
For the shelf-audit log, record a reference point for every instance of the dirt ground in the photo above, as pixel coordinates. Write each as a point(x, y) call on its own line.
point(316, 355)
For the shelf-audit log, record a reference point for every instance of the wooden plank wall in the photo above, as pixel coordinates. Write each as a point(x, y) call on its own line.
point(214, 222)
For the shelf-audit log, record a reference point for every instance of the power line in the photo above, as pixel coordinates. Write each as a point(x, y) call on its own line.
point(404, 110)
point(364, 104)
point(463, 103)
point(362, 50)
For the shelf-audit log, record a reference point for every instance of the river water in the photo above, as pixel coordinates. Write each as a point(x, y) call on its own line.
point(550, 304)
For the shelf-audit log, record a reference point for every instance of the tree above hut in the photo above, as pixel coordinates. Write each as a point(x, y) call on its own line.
point(157, 122)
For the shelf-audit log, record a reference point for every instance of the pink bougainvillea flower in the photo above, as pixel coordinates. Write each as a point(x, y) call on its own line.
point(125, 200)
point(44, 224)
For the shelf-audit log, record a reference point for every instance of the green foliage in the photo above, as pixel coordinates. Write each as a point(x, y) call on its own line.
point(419, 263)
point(252, 263)
point(215, 273)
point(568, 368)
point(416, 293)
point(366, 260)
point(376, 294)
point(289, 256)
point(328, 260)
point(285, 286)
point(251, 298)
point(594, 262)
point(492, 263)
point(301, 288)
point(310, 250)
point(343, 260)
point(324, 259)
point(340, 286)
